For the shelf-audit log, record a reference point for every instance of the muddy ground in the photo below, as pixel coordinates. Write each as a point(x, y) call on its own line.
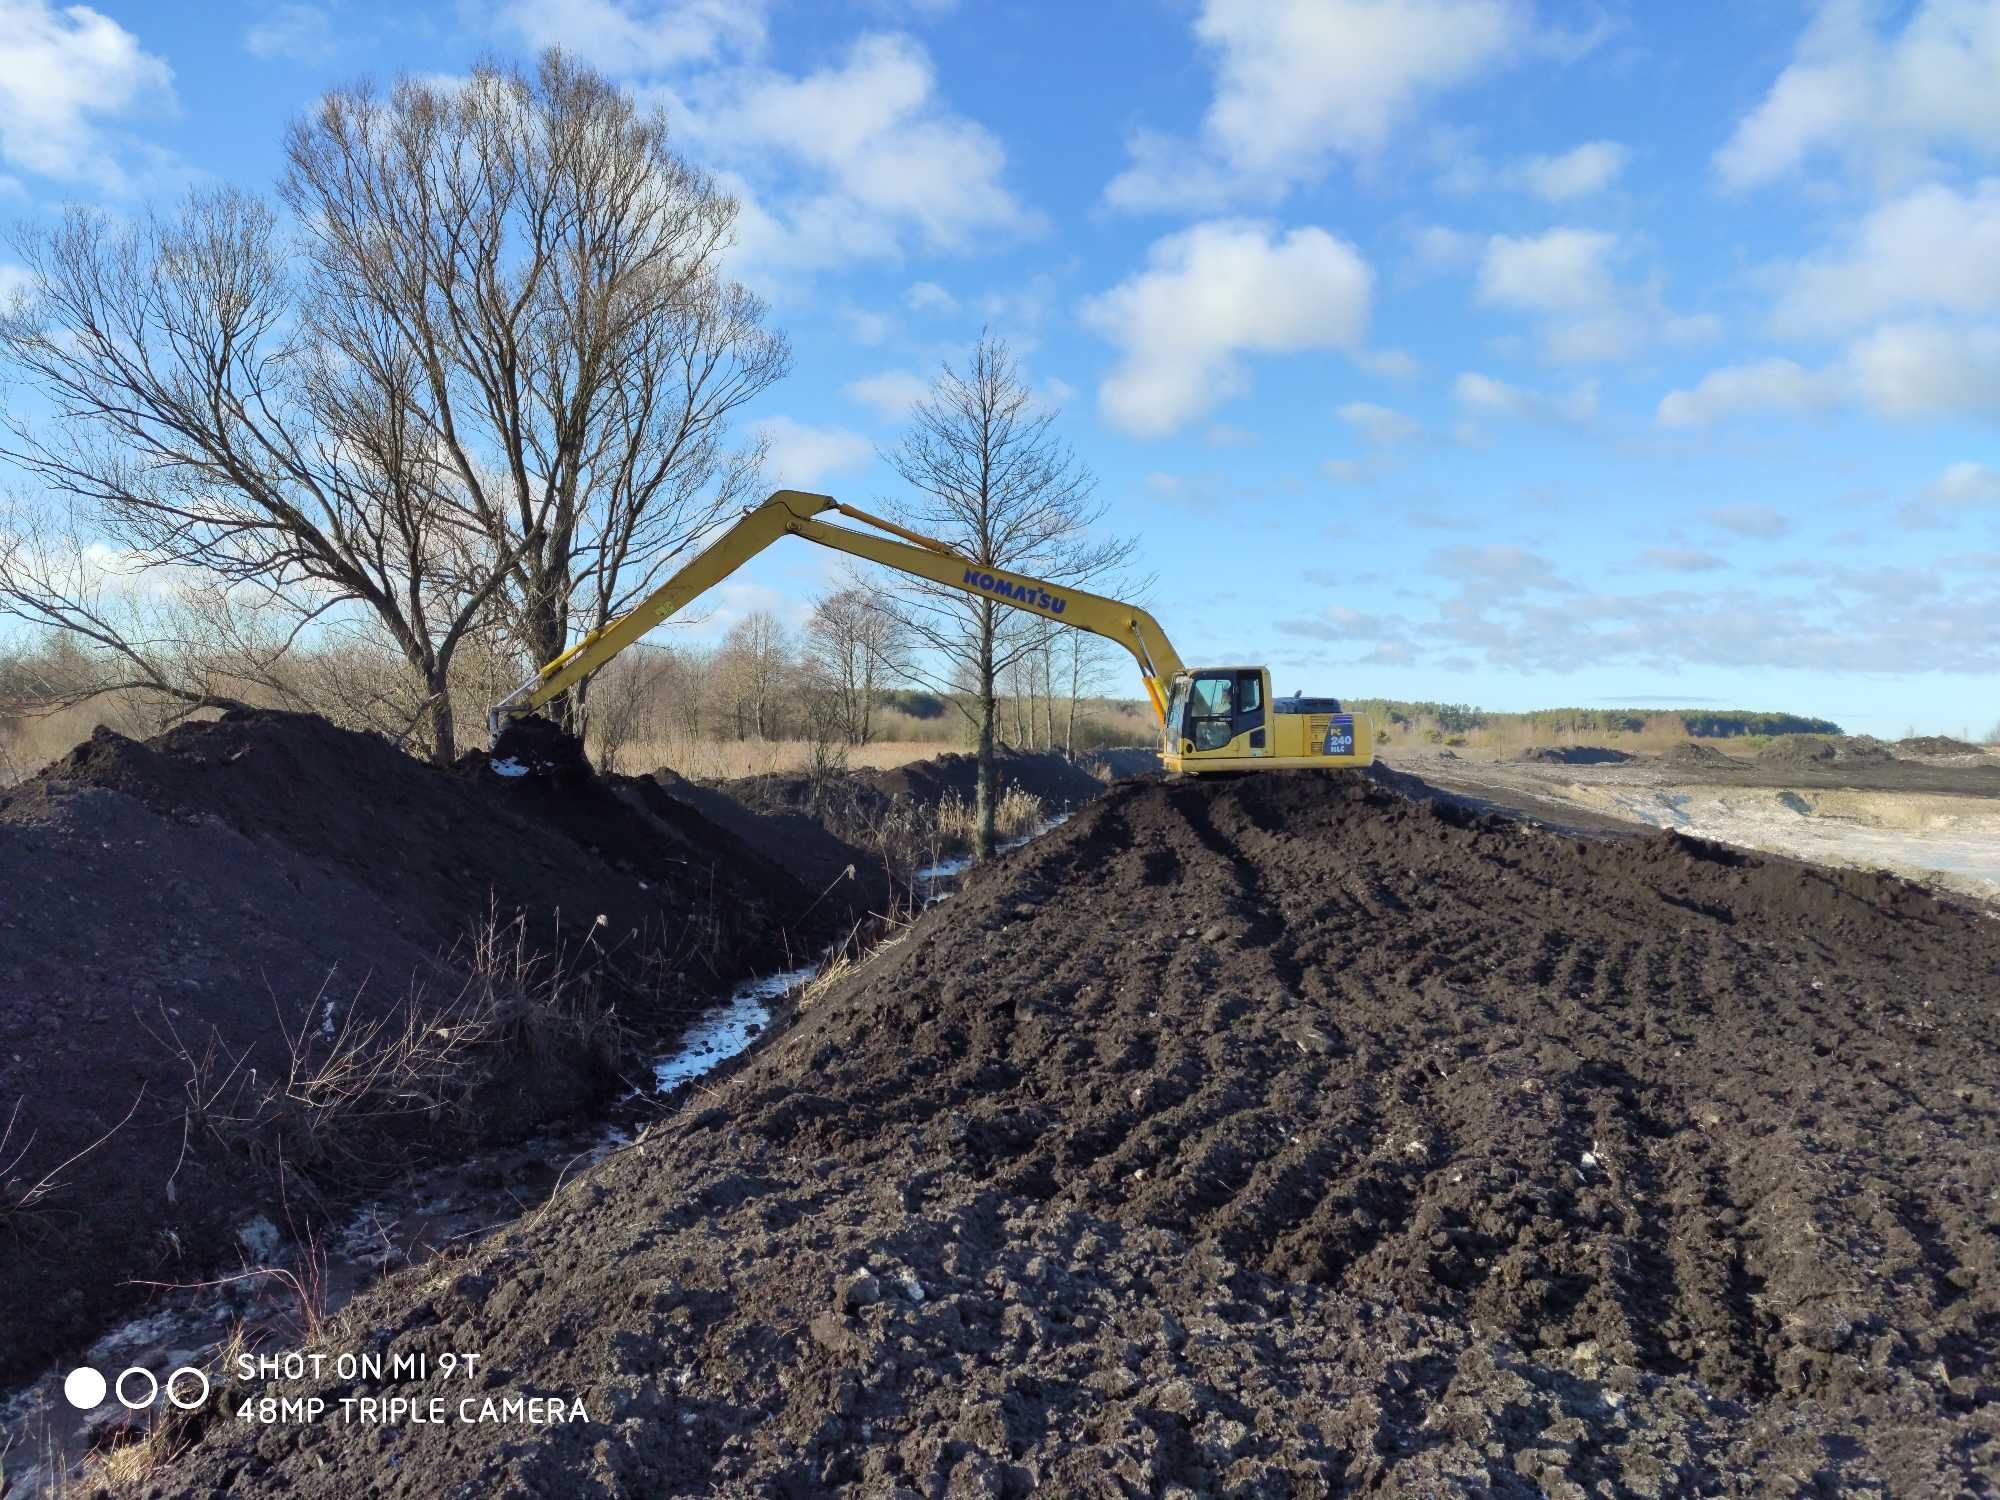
point(177, 918)
point(1288, 1135)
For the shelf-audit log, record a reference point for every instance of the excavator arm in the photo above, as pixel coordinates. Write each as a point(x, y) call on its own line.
point(794, 512)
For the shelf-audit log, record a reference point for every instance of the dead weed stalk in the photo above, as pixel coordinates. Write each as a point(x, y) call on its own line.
point(352, 1082)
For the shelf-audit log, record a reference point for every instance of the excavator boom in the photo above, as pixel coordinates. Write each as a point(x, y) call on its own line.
point(795, 512)
point(1216, 719)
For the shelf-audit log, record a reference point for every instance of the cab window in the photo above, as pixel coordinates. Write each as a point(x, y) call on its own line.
point(1212, 712)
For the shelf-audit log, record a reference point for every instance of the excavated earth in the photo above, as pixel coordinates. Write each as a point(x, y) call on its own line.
point(177, 916)
point(1283, 1136)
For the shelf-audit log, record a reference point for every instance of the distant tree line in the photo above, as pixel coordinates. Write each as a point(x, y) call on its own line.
point(1460, 718)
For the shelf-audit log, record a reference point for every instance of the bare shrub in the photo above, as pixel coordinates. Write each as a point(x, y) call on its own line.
point(354, 1084)
point(22, 1195)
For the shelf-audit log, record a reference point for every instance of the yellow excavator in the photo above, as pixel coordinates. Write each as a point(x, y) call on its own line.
point(1212, 719)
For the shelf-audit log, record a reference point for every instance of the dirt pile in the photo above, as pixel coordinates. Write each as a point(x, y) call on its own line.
point(1573, 755)
point(179, 916)
point(1797, 750)
point(1688, 753)
point(892, 813)
point(1121, 761)
point(812, 852)
point(1059, 785)
point(1277, 1137)
point(1936, 744)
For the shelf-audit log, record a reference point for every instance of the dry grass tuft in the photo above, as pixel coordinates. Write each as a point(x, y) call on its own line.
point(128, 1466)
point(1019, 813)
point(353, 1082)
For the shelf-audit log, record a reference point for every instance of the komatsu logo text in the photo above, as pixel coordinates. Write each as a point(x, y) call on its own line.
point(1020, 593)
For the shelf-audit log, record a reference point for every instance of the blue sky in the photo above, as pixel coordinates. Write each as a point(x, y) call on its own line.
point(1482, 350)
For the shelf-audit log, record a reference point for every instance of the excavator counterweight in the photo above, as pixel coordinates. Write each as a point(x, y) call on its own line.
point(1212, 718)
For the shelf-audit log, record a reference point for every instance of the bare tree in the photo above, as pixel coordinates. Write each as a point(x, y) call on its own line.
point(553, 268)
point(1083, 659)
point(995, 482)
point(852, 647)
point(757, 662)
point(557, 269)
point(494, 375)
point(171, 636)
point(209, 411)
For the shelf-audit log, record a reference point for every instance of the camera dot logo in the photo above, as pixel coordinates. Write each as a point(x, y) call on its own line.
point(136, 1388)
point(84, 1387)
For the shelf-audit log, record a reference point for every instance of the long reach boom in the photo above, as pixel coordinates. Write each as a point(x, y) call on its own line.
point(1212, 719)
point(793, 512)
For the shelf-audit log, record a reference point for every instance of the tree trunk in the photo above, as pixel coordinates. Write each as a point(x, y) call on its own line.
point(984, 810)
point(444, 733)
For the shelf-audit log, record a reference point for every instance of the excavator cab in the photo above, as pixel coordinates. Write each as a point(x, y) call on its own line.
point(1221, 712)
point(1225, 719)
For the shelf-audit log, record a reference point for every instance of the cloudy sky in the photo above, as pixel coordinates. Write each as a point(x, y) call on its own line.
point(1516, 352)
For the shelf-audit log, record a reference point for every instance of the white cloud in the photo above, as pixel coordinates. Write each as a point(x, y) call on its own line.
point(1390, 364)
point(1928, 369)
point(1380, 425)
point(630, 37)
point(800, 456)
point(1965, 485)
point(1496, 569)
point(298, 32)
point(1490, 397)
point(1210, 295)
point(1565, 276)
point(1932, 249)
point(890, 394)
point(1767, 385)
point(1758, 521)
point(1902, 370)
point(1299, 82)
point(865, 325)
point(1589, 168)
point(1442, 249)
point(1846, 620)
point(852, 162)
point(1884, 103)
point(1962, 487)
point(929, 297)
point(1682, 560)
point(1562, 270)
point(62, 75)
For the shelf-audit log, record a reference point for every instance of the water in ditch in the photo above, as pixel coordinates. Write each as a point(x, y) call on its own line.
point(43, 1434)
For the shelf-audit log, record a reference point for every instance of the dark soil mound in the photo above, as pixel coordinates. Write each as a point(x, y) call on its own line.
point(1121, 761)
point(819, 858)
point(1796, 750)
point(1060, 785)
point(223, 885)
point(1574, 755)
point(890, 812)
point(1285, 1136)
point(533, 745)
point(1936, 744)
point(1861, 750)
point(1688, 753)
